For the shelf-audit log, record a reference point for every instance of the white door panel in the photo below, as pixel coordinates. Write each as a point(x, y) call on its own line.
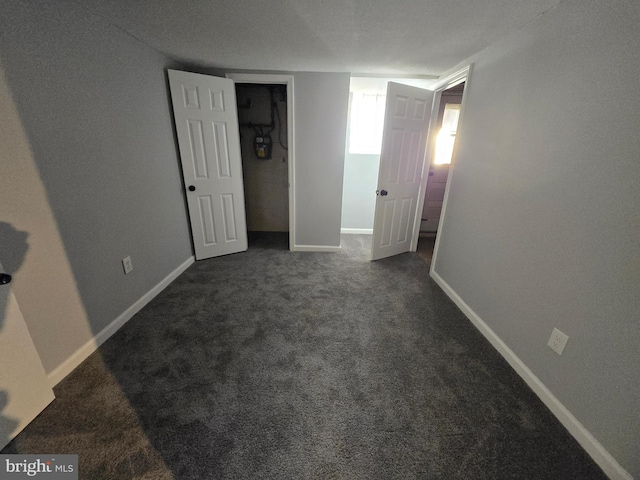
point(24, 388)
point(209, 140)
point(404, 140)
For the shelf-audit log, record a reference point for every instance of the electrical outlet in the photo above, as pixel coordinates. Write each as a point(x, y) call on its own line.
point(558, 341)
point(127, 265)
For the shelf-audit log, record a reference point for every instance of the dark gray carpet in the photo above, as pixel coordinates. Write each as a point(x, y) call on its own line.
point(273, 364)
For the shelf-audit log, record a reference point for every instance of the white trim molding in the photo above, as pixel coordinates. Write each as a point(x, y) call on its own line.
point(317, 248)
point(357, 231)
point(590, 444)
point(80, 355)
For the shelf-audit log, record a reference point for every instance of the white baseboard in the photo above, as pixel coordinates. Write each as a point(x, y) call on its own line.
point(66, 367)
point(357, 231)
point(594, 448)
point(316, 248)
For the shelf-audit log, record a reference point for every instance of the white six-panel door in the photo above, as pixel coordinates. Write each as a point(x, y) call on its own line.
point(404, 140)
point(206, 122)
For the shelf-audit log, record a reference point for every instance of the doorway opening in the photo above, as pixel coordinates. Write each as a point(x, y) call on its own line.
point(446, 128)
point(265, 117)
point(367, 98)
point(263, 144)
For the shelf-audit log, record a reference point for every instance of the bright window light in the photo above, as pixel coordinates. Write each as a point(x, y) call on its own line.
point(367, 120)
point(447, 135)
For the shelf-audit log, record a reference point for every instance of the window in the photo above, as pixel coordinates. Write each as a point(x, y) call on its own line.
point(367, 120)
point(447, 135)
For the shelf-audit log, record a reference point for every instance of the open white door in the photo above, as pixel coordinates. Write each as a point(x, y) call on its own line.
point(404, 141)
point(206, 121)
point(24, 388)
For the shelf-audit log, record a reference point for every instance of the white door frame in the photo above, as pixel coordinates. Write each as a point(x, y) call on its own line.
point(259, 78)
point(462, 75)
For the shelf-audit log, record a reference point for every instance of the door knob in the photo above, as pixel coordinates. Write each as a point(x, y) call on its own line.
point(383, 193)
point(192, 188)
point(5, 278)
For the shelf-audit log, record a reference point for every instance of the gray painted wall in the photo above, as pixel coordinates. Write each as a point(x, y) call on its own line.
point(94, 171)
point(321, 104)
point(542, 225)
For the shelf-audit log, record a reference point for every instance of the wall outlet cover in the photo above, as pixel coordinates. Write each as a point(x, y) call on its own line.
point(127, 265)
point(558, 341)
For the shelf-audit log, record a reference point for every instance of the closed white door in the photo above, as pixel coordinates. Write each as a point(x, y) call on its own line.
point(404, 140)
point(206, 120)
point(24, 388)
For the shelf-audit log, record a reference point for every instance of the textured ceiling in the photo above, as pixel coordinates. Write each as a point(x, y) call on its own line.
point(409, 37)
